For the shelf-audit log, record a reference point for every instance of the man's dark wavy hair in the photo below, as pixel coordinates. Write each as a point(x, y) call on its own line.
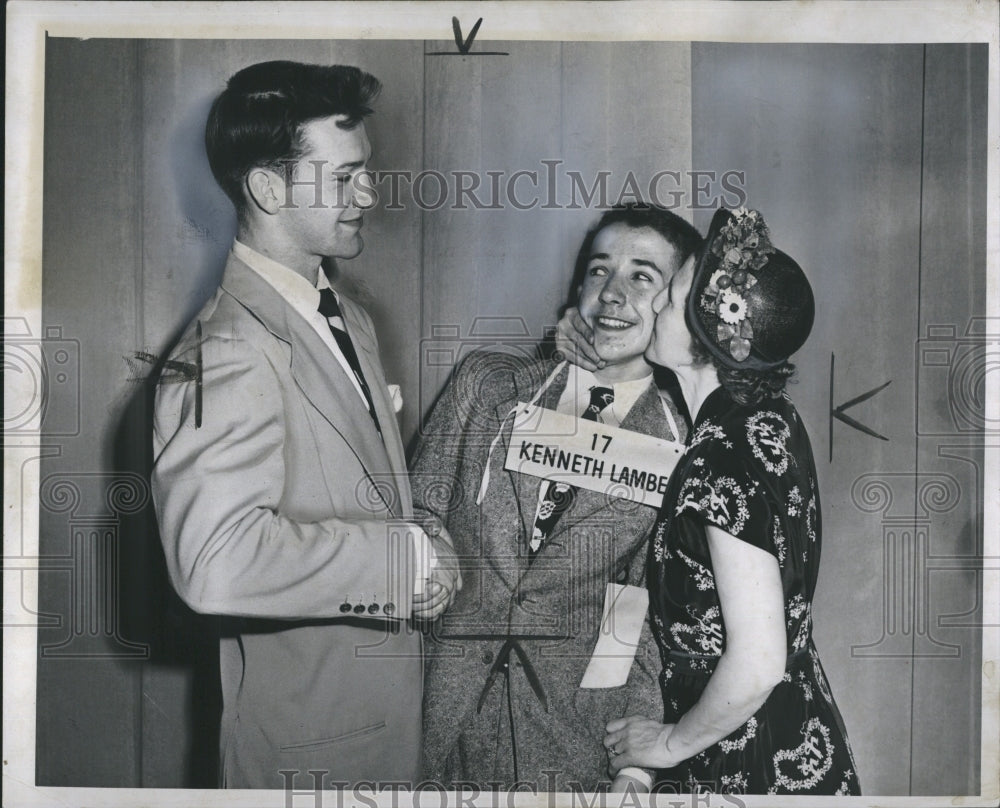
point(256, 122)
point(681, 235)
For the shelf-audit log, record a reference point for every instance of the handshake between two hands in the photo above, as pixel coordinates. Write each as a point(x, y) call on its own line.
point(443, 578)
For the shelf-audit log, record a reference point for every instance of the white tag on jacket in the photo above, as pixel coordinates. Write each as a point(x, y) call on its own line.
point(621, 626)
point(587, 454)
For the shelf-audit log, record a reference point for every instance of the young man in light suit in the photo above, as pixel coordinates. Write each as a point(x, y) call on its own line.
point(279, 477)
point(504, 707)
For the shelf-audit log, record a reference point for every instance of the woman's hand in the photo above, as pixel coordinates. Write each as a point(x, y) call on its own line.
point(638, 741)
point(573, 338)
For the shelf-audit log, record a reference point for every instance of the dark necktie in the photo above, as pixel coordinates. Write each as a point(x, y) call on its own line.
point(556, 497)
point(330, 309)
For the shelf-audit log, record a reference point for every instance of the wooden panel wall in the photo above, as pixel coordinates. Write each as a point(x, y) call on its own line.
point(950, 412)
point(91, 264)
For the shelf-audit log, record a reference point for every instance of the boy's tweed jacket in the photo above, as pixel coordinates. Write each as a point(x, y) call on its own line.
point(554, 604)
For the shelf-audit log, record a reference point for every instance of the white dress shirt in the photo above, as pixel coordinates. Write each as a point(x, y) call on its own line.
point(302, 296)
point(576, 395)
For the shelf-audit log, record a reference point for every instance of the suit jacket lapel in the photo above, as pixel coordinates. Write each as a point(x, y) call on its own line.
point(318, 374)
point(646, 415)
point(371, 365)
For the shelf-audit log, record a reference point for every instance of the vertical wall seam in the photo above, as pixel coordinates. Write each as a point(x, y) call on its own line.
point(970, 195)
point(566, 255)
point(916, 408)
point(422, 260)
point(690, 143)
point(140, 333)
point(976, 306)
point(139, 208)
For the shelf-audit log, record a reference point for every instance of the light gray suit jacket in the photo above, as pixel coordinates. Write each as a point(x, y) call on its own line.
point(554, 602)
point(283, 511)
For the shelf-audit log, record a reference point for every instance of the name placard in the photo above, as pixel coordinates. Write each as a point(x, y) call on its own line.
point(586, 454)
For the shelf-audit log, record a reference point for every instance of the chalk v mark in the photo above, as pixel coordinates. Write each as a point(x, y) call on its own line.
point(464, 43)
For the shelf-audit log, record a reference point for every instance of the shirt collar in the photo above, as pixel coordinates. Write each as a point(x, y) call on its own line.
point(576, 395)
point(296, 290)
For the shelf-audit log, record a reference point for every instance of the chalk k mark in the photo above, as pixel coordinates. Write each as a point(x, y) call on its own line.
point(838, 412)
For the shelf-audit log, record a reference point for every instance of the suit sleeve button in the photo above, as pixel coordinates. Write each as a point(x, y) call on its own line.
point(359, 609)
point(487, 657)
point(389, 608)
point(373, 609)
point(345, 607)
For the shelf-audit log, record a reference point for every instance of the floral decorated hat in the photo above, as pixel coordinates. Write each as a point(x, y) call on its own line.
point(750, 304)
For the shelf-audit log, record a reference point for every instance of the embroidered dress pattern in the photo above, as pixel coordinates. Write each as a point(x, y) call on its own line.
point(749, 471)
point(703, 577)
point(734, 784)
point(804, 766)
point(705, 432)
point(794, 501)
point(705, 634)
point(767, 435)
point(740, 743)
point(721, 499)
point(799, 613)
point(779, 541)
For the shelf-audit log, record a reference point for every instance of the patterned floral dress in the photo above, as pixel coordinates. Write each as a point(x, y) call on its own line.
point(749, 471)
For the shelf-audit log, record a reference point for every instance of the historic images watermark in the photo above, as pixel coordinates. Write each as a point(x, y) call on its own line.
point(550, 185)
point(314, 789)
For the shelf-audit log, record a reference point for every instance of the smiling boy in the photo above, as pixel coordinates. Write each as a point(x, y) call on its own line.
point(503, 698)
